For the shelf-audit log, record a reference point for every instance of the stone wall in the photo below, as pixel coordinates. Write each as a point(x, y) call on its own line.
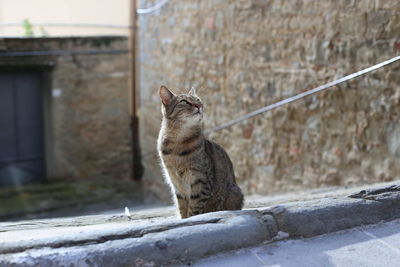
point(243, 55)
point(87, 103)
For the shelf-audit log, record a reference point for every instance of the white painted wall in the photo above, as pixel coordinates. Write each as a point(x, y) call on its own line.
point(111, 12)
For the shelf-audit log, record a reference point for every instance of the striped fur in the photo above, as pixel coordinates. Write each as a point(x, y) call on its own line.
point(198, 170)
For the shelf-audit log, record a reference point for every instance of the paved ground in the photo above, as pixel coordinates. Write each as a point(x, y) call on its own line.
point(101, 196)
point(62, 198)
point(376, 245)
point(155, 237)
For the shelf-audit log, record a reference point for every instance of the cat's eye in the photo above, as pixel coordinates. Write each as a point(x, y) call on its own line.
point(186, 102)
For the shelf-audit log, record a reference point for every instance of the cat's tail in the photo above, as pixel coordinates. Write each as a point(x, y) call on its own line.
point(235, 198)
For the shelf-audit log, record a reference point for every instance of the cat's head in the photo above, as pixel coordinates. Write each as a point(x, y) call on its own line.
point(183, 108)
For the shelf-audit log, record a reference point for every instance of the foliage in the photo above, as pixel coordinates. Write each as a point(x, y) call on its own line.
point(29, 30)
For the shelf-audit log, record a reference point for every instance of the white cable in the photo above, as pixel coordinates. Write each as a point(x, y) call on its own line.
point(302, 95)
point(151, 9)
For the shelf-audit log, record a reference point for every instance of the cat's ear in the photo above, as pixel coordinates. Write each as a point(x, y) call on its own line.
point(192, 91)
point(166, 95)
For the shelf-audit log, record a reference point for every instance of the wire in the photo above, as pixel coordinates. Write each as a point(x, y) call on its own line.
point(62, 53)
point(152, 9)
point(302, 95)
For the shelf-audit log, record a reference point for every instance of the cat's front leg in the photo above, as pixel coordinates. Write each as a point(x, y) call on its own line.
point(200, 193)
point(183, 206)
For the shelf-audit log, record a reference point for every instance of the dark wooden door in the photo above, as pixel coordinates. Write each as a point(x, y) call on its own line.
point(21, 128)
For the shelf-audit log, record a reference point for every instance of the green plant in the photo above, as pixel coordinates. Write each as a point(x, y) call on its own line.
point(28, 28)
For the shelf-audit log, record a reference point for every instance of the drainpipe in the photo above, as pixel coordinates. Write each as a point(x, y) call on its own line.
point(137, 168)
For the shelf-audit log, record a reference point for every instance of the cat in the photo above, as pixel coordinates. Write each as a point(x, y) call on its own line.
point(199, 171)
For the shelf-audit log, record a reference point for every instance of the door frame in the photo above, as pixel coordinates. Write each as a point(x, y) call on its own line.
point(45, 71)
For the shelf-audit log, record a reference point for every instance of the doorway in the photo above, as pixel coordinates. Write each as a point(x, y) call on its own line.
point(22, 158)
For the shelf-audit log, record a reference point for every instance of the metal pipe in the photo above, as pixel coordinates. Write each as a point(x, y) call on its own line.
point(137, 168)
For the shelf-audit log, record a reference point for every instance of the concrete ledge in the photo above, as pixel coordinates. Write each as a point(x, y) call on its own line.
point(313, 218)
point(173, 241)
point(177, 241)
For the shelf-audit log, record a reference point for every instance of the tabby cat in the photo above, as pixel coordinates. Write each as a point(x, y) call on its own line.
point(198, 170)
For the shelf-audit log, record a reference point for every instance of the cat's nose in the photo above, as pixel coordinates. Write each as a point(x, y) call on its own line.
point(199, 107)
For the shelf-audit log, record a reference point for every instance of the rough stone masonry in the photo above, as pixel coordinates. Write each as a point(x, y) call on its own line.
point(243, 55)
point(86, 102)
